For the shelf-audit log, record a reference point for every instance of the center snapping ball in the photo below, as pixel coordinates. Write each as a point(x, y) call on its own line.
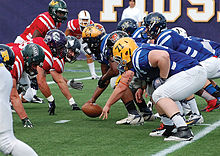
point(91, 109)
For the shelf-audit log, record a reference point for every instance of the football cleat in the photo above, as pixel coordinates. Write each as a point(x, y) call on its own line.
point(75, 107)
point(132, 119)
point(36, 99)
point(194, 119)
point(163, 130)
point(212, 104)
point(182, 134)
point(95, 77)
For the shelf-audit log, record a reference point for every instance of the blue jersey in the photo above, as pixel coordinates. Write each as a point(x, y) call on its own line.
point(104, 54)
point(173, 40)
point(140, 35)
point(212, 46)
point(178, 62)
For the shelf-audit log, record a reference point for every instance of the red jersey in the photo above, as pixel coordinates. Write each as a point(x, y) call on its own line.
point(74, 26)
point(43, 23)
point(58, 65)
point(18, 67)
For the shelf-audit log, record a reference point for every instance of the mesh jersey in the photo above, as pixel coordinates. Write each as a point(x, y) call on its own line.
point(104, 51)
point(212, 46)
point(18, 67)
point(76, 31)
point(58, 65)
point(173, 40)
point(178, 62)
point(43, 23)
point(140, 35)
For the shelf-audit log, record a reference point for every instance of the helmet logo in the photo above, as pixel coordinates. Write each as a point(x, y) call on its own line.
point(71, 42)
point(52, 3)
point(5, 55)
point(35, 50)
point(114, 37)
point(125, 25)
point(56, 36)
point(155, 20)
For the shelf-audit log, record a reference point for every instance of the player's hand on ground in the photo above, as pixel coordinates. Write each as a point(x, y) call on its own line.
point(52, 107)
point(105, 112)
point(27, 123)
point(75, 84)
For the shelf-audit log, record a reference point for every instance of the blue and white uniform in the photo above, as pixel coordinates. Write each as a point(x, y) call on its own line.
point(140, 36)
point(194, 49)
point(185, 77)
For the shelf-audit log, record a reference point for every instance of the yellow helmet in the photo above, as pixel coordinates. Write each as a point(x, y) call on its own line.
point(123, 51)
point(93, 35)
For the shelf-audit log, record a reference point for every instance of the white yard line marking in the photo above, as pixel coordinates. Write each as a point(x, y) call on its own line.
point(62, 121)
point(85, 78)
point(182, 144)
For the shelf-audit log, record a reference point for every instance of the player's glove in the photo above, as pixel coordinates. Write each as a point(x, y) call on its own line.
point(27, 123)
point(52, 107)
point(158, 82)
point(75, 84)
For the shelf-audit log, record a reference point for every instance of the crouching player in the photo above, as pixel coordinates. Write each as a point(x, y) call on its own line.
point(174, 76)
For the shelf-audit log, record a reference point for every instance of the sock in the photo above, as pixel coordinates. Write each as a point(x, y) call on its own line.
point(180, 107)
point(71, 101)
point(178, 120)
point(92, 68)
point(166, 121)
point(193, 105)
point(205, 95)
point(130, 106)
point(143, 106)
point(211, 90)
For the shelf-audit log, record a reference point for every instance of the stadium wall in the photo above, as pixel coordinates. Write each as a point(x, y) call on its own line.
point(199, 17)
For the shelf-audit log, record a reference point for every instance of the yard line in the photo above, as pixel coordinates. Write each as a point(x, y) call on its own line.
point(184, 143)
point(84, 78)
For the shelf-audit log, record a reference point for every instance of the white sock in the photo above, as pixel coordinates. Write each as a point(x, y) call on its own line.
point(178, 120)
point(180, 107)
point(166, 121)
point(193, 105)
point(92, 68)
point(71, 101)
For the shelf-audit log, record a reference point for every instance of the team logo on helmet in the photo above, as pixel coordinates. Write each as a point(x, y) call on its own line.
point(52, 3)
point(5, 55)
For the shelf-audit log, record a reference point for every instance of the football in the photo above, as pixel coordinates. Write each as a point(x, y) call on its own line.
point(92, 109)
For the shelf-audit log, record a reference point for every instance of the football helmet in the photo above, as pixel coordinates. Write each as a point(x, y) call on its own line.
point(56, 40)
point(33, 56)
point(155, 22)
point(180, 31)
point(73, 47)
point(114, 37)
point(93, 35)
point(128, 25)
point(123, 51)
point(84, 19)
point(56, 8)
point(8, 56)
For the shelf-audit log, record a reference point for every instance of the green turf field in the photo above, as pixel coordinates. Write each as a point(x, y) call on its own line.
point(83, 136)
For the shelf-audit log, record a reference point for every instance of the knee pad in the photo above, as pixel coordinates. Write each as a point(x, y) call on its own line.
point(7, 141)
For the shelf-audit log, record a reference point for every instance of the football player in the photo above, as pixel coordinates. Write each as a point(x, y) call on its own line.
point(27, 58)
point(101, 45)
point(174, 76)
point(156, 29)
point(9, 143)
point(57, 14)
point(75, 28)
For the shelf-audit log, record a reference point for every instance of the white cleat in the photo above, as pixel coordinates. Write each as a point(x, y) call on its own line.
point(194, 119)
point(132, 119)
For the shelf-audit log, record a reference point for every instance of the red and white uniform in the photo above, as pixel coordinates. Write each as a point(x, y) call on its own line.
point(18, 67)
point(43, 23)
point(75, 27)
point(58, 65)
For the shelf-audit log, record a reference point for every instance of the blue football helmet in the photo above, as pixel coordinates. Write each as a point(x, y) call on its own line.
point(8, 56)
point(73, 46)
point(57, 41)
point(155, 22)
point(128, 25)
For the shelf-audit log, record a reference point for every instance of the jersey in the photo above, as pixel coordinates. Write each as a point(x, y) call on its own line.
point(58, 65)
point(104, 51)
point(74, 26)
point(173, 40)
point(212, 46)
point(43, 23)
point(18, 67)
point(141, 66)
point(140, 36)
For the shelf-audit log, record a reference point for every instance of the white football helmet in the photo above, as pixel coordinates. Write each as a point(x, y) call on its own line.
point(180, 31)
point(84, 19)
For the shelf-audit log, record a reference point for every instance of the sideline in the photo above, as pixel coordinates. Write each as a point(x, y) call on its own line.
point(198, 136)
